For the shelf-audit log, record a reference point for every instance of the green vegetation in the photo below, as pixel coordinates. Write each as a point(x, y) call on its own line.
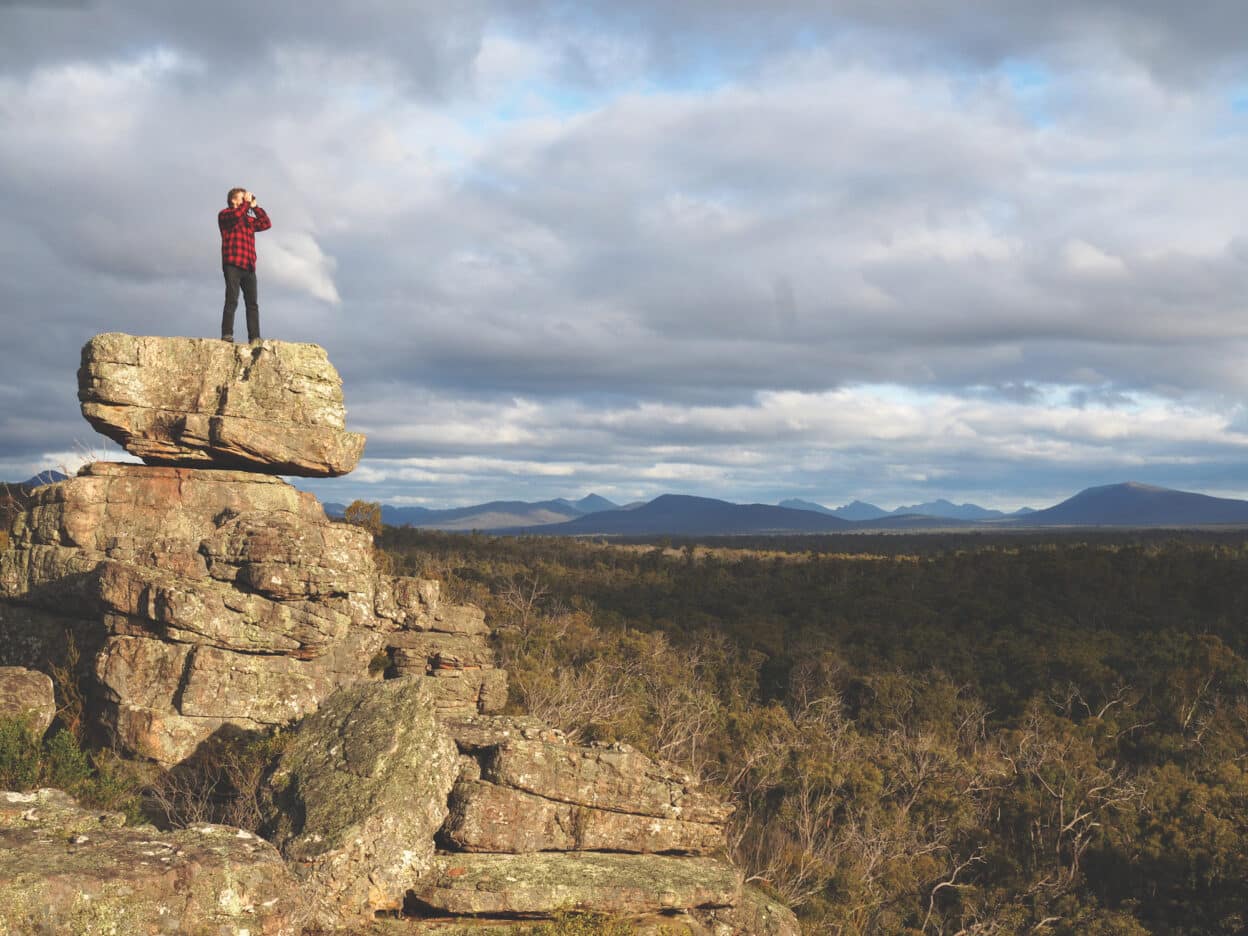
point(96, 779)
point(577, 924)
point(979, 734)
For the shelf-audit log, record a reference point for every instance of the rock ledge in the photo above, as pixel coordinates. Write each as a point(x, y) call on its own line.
point(273, 407)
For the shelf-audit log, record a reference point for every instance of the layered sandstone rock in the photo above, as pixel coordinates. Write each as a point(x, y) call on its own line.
point(220, 597)
point(27, 696)
point(522, 795)
point(68, 870)
point(539, 825)
point(354, 802)
point(275, 407)
point(458, 666)
point(506, 885)
point(206, 598)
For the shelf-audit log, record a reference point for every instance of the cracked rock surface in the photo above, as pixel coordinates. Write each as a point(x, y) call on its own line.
point(355, 800)
point(275, 407)
point(27, 695)
point(69, 870)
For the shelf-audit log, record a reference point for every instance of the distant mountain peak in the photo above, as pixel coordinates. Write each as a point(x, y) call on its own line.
point(51, 476)
point(1131, 503)
point(690, 515)
point(948, 510)
point(593, 503)
point(796, 503)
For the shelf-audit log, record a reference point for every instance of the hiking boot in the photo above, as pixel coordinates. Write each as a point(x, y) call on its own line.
point(229, 338)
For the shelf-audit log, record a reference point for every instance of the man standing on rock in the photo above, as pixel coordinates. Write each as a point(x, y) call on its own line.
point(239, 223)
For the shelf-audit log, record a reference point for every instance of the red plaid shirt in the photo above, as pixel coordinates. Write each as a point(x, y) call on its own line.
point(238, 234)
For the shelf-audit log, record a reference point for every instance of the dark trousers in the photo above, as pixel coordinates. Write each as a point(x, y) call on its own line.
point(236, 277)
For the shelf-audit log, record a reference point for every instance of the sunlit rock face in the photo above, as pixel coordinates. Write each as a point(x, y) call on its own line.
point(274, 407)
point(209, 598)
point(356, 798)
point(214, 597)
point(68, 869)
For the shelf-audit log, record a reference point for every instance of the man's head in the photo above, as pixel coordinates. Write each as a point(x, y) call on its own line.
point(235, 198)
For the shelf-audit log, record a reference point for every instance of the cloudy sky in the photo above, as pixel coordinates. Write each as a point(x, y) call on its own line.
point(817, 248)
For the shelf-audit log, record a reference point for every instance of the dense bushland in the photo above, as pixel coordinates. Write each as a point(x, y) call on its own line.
point(958, 735)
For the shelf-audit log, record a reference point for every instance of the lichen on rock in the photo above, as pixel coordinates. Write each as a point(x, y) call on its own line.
point(69, 870)
point(356, 798)
point(275, 407)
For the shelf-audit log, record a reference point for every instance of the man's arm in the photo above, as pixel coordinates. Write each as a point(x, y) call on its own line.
point(261, 222)
point(229, 218)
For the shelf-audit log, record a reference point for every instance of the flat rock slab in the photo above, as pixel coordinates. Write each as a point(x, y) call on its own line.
point(611, 777)
point(546, 883)
point(486, 817)
point(274, 407)
point(64, 869)
point(474, 733)
point(27, 695)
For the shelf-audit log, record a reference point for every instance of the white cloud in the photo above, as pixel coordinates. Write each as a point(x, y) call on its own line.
point(296, 261)
point(1086, 259)
point(683, 250)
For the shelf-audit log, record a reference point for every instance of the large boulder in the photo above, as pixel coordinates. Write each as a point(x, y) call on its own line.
point(27, 695)
point(355, 801)
point(273, 407)
point(68, 870)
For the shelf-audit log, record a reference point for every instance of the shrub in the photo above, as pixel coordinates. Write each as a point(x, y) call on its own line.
point(65, 764)
point(97, 780)
point(19, 755)
point(220, 783)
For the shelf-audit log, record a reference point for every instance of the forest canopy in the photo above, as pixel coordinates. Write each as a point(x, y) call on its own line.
point(922, 734)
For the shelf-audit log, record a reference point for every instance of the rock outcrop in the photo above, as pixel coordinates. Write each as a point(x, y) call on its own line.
point(198, 599)
point(223, 597)
point(354, 802)
point(454, 658)
point(65, 869)
point(274, 407)
point(211, 598)
point(27, 696)
point(539, 825)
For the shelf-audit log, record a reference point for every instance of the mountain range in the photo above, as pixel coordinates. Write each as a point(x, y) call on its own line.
point(42, 478)
point(860, 510)
point(1115, 505)
point(495, 515)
